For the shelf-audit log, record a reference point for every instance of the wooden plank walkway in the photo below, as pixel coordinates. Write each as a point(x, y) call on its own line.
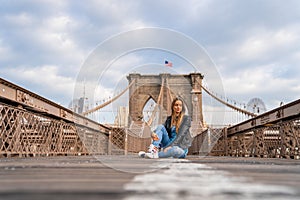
point(129, 177)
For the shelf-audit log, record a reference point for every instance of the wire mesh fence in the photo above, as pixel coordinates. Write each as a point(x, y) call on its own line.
point(279, 140)
point(25, 133)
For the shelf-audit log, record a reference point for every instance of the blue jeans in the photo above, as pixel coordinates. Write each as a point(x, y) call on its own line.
point(164, 140)
point(174, 151)
point(163, 136)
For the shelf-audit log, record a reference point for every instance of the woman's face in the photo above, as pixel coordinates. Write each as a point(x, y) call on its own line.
point(177, 108)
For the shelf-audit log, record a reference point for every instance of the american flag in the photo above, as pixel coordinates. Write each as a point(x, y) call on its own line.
point(168, 63)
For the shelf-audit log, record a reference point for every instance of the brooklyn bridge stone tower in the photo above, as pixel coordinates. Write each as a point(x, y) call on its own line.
point(162, 89)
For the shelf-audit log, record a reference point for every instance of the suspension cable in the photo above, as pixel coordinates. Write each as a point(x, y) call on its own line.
point(246, 112)
point(108, 102)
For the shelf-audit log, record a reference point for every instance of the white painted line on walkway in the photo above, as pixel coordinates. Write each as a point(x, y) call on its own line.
point(181, 179)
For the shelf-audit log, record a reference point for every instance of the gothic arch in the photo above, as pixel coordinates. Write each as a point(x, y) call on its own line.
point(187, 87)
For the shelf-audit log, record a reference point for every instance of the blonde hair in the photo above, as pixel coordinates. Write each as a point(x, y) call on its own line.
point(176, 120)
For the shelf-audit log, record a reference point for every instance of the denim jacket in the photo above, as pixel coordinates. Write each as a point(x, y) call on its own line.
point(184, 139)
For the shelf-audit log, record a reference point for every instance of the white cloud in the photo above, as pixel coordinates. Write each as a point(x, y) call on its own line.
point(55, 36)
point(262, 43)
point(20, 19)
point(115, 15)
point(262, 81)
point(261, 63)
point(58, 23)
point(45, 81)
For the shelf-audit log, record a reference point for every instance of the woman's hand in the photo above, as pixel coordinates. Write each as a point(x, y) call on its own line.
point(154, 136)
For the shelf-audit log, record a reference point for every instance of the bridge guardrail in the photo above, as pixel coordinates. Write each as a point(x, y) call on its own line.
point(31, 125)
point(274, 134)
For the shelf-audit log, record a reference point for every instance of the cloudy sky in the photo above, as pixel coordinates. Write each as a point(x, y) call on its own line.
point(255, 44)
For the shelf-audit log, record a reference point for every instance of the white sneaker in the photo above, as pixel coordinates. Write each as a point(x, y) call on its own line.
point(142, 154)
point(152, 152)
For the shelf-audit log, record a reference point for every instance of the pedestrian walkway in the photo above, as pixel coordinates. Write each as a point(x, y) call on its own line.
point(130, 177)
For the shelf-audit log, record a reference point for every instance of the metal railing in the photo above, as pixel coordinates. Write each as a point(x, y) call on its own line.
point(31, 125)
point(25, 133)
point(275, 134)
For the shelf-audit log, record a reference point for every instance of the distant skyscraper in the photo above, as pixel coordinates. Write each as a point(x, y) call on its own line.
point(78, 105)
point(122, 116)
